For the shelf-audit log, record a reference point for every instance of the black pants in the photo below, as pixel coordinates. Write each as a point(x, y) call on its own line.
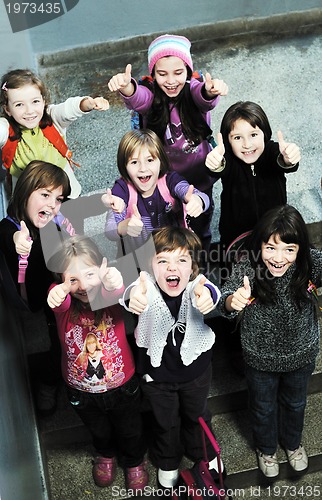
point(114, 421)
point(176, 408)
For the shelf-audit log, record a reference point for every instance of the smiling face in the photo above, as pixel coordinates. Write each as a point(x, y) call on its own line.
point(143, 170)
point(170, 74)
point(172, 271)
point(278, 256)
point(25, 105)
point(84, 278)
point(246, 141)
point(43, 205)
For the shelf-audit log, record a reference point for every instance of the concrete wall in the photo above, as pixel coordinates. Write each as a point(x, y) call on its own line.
point(98, 21)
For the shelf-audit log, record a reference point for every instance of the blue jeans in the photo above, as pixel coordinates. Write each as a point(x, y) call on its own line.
point(277, 403)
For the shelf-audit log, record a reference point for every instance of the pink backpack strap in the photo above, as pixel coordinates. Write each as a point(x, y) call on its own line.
point(133, 200)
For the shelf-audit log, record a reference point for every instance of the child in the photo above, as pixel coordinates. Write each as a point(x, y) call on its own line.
point(144, 165)
point(274, 287)
point(31, 129)
point(174, 347)
point(252, 168)
point(97, 362)
point(176, 106)
point(36, 200)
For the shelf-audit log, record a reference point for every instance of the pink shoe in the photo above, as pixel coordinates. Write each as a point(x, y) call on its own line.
point(104, 471)
point(137, 478)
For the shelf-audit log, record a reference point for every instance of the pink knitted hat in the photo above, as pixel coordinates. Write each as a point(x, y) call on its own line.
point(169, 45)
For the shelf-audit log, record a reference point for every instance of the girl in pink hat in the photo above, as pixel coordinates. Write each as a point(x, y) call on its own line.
point(176, 105)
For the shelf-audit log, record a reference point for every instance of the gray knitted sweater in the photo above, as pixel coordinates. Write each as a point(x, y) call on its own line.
point(276, 338)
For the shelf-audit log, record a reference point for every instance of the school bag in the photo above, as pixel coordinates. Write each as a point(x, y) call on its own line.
point(172, 203)
point(198, 482)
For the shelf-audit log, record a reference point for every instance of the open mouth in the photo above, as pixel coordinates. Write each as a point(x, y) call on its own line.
point(278, 267)
point(173, 281)
point(43, 215)
point(144, 179)
point(246, 153)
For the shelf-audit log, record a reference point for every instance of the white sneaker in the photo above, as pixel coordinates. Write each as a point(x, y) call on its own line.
point(168, 478)
point(268, 464)
point(298, 459)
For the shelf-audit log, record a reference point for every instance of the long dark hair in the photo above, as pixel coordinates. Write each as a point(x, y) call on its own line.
point(286, 223)
point(251, 113)
point(14, 80)
point(194, 126)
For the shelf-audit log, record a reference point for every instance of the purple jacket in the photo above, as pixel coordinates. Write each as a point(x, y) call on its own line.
point(186, 159)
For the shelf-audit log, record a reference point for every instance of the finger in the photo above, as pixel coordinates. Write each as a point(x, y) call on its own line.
point(281, 141)
point(208, 81)
point(143, 284)
point(136, 212)
point(220, 143)
point(189, 193)
point(24, 230)
point(128, 71)
point(247, 286)
point(199, 287)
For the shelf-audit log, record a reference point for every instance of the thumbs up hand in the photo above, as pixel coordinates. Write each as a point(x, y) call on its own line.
point(122, 82)
point(22, 240)
point(215, 87)
point(240, 299)
point(116, 203)
point(138, 298)
point(58, 294)
point(110, 277)
point(291, 152)
point(194, 204)
point(215, 157)
point(204, 302)
point(135, 224)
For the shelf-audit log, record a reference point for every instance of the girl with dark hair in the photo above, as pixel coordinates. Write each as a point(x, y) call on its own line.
point(149, 195)
point(176, 106)
point(251, 167)
point(273, 292)
point(32, 129)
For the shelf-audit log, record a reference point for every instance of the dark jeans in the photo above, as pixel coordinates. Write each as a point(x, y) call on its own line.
point(277, 403)
point(114, 421)
point(176, 408)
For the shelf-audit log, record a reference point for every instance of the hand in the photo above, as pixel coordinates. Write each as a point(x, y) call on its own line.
point(121, 81)
point(116, 203)
point(58, 294)
point(194, 204)
point(204, 302)
point(240, 299)
point(90, 103)
point(110, 277)
point(215, 87)
point(138, 298)
point(290, 151)
point(215, 157)
point(135, 224)
point(22, 240)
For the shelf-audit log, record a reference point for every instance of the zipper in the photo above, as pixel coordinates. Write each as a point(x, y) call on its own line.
point(253, 170)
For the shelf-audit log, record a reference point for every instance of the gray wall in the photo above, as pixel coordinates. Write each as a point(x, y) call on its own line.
point(97, 21)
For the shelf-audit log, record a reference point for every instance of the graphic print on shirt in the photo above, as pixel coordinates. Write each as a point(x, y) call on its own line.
point(176, 134)
point(94, 360)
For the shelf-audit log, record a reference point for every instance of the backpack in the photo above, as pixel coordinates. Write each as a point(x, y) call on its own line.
point(172, 203)
point(50, 132)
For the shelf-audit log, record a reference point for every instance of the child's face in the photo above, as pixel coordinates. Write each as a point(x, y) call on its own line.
point(43, 205)
point(84, 278)
point(143, 170)
point(26, 105)
point(246, 141)
point(170, 74)
point(172, 271)
point(278, 256)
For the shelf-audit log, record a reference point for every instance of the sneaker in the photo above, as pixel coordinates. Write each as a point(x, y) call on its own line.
point(137, 478)
point(298, 459)
point(268, 464)
point(168, 478)
point(104, 471)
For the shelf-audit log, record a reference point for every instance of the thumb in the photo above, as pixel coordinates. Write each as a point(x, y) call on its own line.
point(247, 286)
point(136, 212)
point(220, 143)
point(208, 81)
point(128, 71)
point(67, 284)
point(199, 287)
point(143, 286)
point(109, 192)
point(24, 230)
point(281, 141)
point(189, 193)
